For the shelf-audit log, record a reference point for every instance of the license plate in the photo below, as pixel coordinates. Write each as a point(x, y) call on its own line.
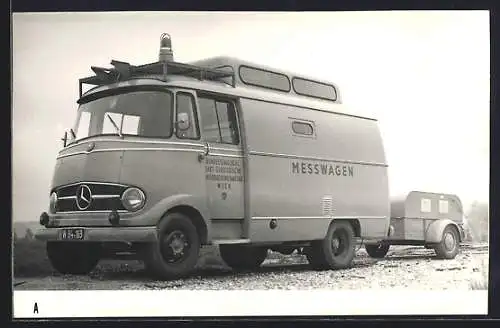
point(72, 234)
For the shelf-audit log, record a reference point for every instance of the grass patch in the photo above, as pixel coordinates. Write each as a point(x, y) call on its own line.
point(30, 258)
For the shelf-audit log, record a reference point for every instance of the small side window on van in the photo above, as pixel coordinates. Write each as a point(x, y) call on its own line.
point(188, 128)
point(302, 128)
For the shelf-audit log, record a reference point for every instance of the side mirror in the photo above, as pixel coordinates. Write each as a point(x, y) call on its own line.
point(183, 121)
point(65, 139)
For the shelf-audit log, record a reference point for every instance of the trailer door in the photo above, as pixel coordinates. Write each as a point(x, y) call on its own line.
point(224, 161)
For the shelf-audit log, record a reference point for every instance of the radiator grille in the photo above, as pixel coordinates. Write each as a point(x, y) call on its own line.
point(103, 197)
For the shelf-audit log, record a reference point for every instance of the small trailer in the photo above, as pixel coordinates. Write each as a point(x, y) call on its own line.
point(424, 219)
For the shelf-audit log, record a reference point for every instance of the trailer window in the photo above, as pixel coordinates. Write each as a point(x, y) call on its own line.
point(218, 121)
point(443, 206)
point(425, 205)
point(185, 104)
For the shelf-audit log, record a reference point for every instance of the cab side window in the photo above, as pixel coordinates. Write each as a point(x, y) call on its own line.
point(187, 124)
point(218, 121)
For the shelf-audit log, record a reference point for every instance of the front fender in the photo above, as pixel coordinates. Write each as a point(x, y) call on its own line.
point(198, 203)
point(434, 231)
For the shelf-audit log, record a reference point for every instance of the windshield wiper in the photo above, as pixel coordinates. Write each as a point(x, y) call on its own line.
point(115, 125)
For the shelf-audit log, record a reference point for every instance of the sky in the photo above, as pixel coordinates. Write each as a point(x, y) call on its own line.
point(423, 74)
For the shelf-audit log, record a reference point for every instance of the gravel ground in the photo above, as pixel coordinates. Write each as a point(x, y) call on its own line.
point(404, 267)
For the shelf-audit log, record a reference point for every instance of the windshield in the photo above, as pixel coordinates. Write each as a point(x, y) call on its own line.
point(141, 113)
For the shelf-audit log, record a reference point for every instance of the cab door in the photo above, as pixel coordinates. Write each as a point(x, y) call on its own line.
point(224, 172)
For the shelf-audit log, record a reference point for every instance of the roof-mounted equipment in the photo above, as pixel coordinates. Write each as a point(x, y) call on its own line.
point(159, 70)
point(166, 53)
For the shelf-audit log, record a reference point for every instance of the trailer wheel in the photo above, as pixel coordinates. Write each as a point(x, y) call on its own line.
point(378, 251)
point(76, 258)
point(240, 257)
point(176, 252)
point(450, 243)
point(336, 251)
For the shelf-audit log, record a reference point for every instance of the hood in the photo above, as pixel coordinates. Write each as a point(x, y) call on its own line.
point(88, 161)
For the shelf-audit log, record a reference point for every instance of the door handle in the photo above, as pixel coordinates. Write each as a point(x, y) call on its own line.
point(202, 155)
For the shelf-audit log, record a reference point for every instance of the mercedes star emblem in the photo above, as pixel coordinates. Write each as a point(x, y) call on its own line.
point(83, 197)
point(90, 146)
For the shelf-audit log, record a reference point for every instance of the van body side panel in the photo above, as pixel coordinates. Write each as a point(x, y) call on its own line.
point(304, 181)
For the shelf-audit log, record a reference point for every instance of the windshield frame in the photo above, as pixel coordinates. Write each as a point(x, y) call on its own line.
point(121, 91)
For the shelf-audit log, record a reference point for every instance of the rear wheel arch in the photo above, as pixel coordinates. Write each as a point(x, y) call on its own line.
point(356, 226)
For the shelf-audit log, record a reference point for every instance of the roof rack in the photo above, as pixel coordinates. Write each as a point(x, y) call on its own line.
point(123, 71)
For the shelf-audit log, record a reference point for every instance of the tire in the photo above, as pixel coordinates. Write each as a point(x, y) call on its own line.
point(78, 258)
point(326, 254)
point(176, 252)
point(243, 257)
point(450, 243)
point(378, 251)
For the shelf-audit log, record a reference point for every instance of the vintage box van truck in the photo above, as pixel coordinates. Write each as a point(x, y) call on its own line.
point(167, 157)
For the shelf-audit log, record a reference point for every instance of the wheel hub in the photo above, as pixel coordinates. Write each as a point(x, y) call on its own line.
point(449, 241)
point(175, 243)
point(335, 243)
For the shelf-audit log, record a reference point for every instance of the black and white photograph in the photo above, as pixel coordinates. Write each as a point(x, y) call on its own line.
point(250, 163)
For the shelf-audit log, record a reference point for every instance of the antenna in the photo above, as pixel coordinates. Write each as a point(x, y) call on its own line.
point(166, 54)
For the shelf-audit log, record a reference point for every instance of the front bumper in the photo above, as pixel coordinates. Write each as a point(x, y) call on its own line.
point(103, 234)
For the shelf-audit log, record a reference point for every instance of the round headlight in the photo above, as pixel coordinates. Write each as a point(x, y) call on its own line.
point(133, 199)
point(53, 202)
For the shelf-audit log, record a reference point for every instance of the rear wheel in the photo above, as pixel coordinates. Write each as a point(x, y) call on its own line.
point(176, 252)
point(240, 257)
point(77, 258)
point(336, 250)
point(449, 246)
point(377, 251)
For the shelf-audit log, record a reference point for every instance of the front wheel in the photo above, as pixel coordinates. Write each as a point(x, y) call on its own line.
point(450, 243)
point(240, 257)
point(78, 258)
point(176, 252)
point(336, 250)
point(377, 251)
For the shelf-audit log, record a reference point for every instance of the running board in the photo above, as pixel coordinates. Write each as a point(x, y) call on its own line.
point(230, 241)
